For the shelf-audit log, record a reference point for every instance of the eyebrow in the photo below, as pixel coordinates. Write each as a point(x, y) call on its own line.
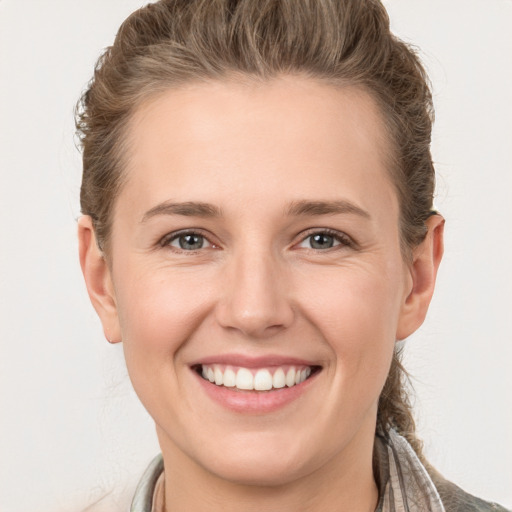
point(306, 208)
point(187, 209)
point(295, 209)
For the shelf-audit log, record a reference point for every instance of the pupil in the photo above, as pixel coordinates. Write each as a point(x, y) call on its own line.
point(321, 241)
point(191, 242)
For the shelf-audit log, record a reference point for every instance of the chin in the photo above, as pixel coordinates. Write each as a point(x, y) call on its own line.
point(262, 459)
point(258, 471)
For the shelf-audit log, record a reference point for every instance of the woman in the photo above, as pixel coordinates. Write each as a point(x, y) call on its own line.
point(258, 231)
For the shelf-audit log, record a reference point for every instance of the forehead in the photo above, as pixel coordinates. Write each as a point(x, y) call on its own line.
point(294, 134)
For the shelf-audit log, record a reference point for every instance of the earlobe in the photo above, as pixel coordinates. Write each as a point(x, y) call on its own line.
point(98, 279)
point(423, 270)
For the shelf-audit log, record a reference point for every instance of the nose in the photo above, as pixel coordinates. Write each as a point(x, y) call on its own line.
point(255, 299)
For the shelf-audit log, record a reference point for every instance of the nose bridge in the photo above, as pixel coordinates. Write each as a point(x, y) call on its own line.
point(255, 301)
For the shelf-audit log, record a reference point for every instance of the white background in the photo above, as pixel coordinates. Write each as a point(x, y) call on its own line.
point(71, 429)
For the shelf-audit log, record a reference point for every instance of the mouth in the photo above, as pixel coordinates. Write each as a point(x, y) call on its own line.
point(264, 379)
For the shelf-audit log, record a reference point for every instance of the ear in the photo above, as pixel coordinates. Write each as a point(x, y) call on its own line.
point(423, 271)
point(98, 279)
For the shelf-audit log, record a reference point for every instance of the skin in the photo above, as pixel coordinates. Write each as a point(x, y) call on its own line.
point(259, 287)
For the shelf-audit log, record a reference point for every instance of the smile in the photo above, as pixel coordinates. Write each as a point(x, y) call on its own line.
point(254, 385)
point(257, 379)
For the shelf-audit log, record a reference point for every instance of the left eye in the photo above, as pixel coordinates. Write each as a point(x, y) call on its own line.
point(188, 241)
point(323, 240)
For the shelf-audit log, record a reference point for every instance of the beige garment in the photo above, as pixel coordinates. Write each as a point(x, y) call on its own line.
point(158, 495)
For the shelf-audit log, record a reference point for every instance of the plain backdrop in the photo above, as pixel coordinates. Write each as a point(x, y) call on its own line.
point(71, 429)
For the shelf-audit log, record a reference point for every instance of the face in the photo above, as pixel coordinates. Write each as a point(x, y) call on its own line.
point(256, 243)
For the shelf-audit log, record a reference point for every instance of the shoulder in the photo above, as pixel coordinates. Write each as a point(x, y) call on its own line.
point(457, 500)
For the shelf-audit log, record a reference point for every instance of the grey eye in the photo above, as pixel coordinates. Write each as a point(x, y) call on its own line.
point(188, 242)
point(321, 241)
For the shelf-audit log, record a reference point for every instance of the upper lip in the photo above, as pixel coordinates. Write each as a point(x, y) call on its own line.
point(253, 362)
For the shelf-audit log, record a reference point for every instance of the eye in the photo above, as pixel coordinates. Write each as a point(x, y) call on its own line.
point(321, 241)
point(186, 241)
point(326, 239)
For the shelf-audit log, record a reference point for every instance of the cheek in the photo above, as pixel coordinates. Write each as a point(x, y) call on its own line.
point(357, 314)
point(159, 309)
point(350, 302)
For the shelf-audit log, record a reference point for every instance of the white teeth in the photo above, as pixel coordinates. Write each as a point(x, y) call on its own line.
point(229, 378)
point(260, 380)
point(219, 378)
point(244, 379)
point(290, 377)
point(279, 380)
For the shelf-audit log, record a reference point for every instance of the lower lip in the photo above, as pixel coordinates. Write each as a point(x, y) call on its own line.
point(254, 402)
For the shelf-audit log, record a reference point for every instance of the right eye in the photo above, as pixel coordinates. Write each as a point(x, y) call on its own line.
point(186, 241)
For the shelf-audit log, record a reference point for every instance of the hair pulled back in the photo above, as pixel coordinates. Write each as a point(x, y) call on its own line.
point(345, 42)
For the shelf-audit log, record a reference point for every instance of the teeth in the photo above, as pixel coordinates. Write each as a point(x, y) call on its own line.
point(279, 379)
point(219, 378)
point(229, 378)
point(260, 380)
point(244, 379)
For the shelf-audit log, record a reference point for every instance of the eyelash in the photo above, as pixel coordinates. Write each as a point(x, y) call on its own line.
point(343, 239)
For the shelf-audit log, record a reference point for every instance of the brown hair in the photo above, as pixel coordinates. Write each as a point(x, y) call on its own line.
point(344, 42)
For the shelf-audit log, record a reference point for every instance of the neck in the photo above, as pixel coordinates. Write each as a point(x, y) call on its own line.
point(344, 483)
